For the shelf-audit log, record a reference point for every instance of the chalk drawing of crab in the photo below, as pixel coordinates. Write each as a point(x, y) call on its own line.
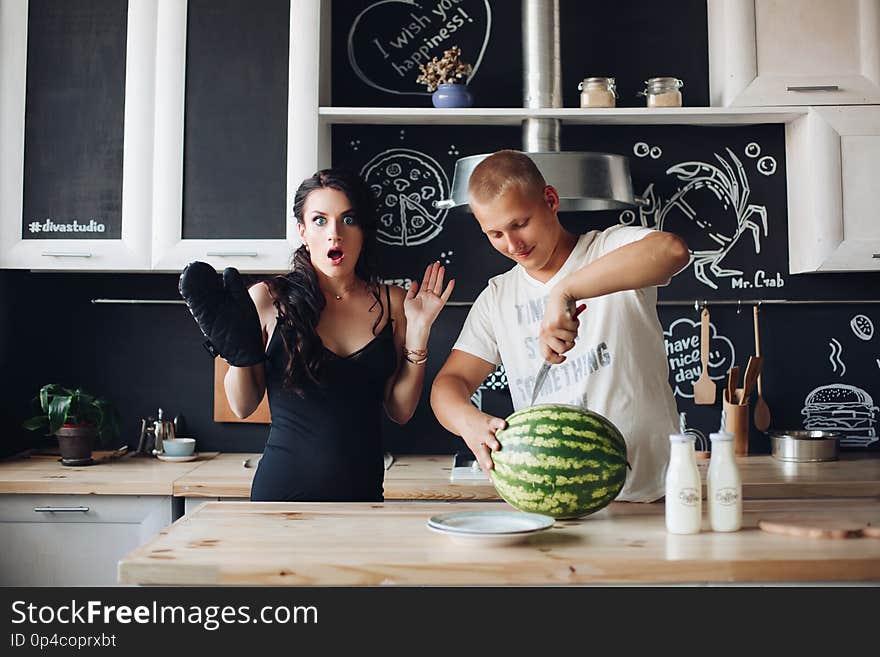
point(720, 227)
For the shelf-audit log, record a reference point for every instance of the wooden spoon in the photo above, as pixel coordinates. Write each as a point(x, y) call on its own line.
point(762, 411)
point(704, 387)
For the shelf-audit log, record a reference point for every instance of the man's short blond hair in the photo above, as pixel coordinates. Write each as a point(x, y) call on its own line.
point(503, 171)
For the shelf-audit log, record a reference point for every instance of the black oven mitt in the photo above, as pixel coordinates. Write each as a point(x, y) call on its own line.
point(225, 313)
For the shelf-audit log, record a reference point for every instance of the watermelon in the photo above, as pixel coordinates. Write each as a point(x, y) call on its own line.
point(559, 460)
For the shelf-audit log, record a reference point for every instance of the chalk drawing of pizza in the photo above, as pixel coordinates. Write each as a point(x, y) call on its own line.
point(406, 184)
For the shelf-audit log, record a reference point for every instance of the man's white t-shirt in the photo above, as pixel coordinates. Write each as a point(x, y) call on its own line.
point(617, 368)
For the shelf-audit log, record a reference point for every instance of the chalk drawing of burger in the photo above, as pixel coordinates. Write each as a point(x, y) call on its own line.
point(843, 408)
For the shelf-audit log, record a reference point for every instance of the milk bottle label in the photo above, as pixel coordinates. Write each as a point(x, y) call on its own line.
point(689, 496)
point(727, 496)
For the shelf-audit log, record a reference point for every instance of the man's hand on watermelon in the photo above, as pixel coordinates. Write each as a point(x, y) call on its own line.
point(559, 328)
point(479, 435)
point(225, 313)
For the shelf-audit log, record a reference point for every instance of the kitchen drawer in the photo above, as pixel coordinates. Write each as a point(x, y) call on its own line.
point(74, 540)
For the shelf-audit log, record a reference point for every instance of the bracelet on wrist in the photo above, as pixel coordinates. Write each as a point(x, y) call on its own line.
point(415, 356)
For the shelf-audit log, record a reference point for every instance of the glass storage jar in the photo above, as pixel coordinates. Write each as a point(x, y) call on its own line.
point(663, 92)
point(598, 92)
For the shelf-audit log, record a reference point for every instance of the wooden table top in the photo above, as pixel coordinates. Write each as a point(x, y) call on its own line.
point(421, 477)
point(126, 475)
point(330, 544)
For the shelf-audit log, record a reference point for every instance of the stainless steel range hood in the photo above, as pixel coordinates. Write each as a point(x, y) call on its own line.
point(584, 180)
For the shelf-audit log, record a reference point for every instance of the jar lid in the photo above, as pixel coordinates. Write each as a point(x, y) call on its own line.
point(681, 438)
point(721, 435)
point(610, 83)
point(661, 84)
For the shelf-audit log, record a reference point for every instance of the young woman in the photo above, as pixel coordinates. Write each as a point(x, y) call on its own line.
point(336, 347)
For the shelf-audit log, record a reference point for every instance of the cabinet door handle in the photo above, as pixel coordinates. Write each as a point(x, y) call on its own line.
point(816, 87)
point(67, 254)
point(61, 509)
point(232, 254)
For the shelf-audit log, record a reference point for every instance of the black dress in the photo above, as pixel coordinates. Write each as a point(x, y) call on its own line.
point(327, 445)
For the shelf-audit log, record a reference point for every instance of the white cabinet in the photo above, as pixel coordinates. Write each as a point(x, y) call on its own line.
point(49, 190)
point(794, 52)
point(171, 247)
point(152, 226)
point(74, 540)
point(832, 164)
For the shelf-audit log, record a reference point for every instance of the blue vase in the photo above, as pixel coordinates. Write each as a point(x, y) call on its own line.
point(452, 95)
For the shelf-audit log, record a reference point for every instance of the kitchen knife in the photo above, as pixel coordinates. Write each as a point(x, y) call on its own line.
point(545, 368)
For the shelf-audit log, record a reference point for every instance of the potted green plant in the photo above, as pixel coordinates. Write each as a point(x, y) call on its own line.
point(447, 78)
point(76, 418)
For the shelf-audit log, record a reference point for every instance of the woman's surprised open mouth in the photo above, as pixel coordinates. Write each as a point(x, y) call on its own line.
point(336, 256)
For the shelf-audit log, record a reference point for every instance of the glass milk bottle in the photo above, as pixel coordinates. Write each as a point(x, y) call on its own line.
point(684, 510)
point(723, 484)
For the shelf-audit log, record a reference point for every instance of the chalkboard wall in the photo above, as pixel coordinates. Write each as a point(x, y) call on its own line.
point(378, 46)
point(722, 189)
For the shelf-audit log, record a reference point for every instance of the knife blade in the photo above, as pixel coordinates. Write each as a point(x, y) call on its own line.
point(545, 367)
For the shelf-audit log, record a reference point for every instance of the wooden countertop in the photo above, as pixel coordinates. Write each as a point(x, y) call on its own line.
point(419, 477)
point(413, 477)
point(409, 477)
point(225, 475)
point(126, 475)
point(337, 544)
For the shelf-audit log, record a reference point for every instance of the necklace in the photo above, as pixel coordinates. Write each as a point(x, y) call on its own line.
point(339, 296)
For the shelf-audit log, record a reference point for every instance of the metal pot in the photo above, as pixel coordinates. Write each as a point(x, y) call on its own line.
point(805, 446)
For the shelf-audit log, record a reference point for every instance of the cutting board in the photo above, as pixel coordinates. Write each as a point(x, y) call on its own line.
point(805, 526)
point(222, 411)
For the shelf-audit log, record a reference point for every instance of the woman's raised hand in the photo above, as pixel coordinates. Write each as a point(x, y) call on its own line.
point(424, 303)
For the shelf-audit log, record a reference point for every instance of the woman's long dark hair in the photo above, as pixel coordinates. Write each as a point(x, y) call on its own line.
point(298, 297)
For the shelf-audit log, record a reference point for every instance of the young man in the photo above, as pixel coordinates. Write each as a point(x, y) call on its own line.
point(615, 359)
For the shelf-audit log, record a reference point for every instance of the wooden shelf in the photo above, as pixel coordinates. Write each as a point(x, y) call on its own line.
point(572, 116)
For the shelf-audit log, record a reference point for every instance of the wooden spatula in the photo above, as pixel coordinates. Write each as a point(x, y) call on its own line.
point(704, 387)
point(762, 411)
point(753, 370)
point(732, 383)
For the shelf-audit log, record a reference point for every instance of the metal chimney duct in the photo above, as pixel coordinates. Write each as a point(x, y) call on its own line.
point(542, 73)
point(584, 180)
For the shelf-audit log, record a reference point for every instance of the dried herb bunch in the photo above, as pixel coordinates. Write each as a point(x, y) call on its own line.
point(448, 69)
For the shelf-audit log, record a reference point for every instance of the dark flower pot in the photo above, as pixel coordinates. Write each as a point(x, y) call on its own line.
point(452, 95)
point(75, 444)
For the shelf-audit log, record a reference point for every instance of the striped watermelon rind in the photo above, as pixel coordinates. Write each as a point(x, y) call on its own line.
point(559, 460)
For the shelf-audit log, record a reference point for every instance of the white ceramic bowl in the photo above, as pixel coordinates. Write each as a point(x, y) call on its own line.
point(179, 447)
